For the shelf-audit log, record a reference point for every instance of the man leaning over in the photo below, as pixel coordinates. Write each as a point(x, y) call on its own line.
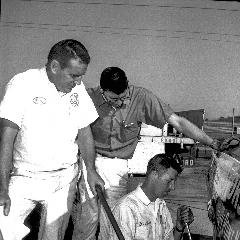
point(143, 213)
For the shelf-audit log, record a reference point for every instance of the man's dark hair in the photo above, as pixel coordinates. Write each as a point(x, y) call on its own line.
point(113, 79)
point(162, 162)
point(67, 49)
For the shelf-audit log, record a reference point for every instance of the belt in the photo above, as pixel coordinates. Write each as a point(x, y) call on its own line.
point(54, 172)
point(104, 156)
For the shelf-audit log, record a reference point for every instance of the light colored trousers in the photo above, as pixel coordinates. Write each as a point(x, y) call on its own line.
point(54, 190)
point(86, 210)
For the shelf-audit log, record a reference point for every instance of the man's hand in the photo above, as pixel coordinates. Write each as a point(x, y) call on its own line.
point(211, 212)
point(5, 201)
point(184, 215)
point(93, 179)
point(226, 144)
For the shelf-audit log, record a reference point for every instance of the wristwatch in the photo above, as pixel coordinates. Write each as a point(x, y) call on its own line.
point(215, 144)
point(178, 230)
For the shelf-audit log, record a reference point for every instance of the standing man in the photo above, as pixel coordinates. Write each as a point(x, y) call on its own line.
point(143, 214)
point(42, 112)
point(122, 108)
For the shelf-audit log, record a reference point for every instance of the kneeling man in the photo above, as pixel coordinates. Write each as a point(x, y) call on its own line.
point(143, 214)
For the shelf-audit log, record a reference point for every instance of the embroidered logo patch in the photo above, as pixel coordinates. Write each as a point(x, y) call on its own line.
point(40, 100)
point(74, 99)
point(140, 224)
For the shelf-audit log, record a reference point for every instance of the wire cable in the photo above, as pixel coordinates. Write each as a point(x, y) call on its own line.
point(92, 29)
point(124, 28)
point(134, 5)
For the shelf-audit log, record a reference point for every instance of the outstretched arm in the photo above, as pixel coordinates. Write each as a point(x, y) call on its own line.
point(8, 132)
point(87, 149)
point(184, 126)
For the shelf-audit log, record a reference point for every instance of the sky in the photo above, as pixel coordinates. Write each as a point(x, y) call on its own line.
point(186, 52)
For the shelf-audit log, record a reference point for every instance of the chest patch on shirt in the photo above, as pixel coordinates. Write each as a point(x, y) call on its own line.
point(40, 100)
point(74, 99)
point(140, 224)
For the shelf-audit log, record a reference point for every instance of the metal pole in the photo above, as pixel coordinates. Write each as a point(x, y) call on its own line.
point(188, 231)
point(109, 213)
point(233, 122)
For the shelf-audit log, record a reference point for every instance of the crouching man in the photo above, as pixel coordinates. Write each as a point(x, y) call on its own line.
point(143, 214)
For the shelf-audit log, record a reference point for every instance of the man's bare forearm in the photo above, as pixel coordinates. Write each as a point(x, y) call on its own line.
point(192, 131)
point(189, 129)
point(5, 166)
point(8, 134)
point(87, 147)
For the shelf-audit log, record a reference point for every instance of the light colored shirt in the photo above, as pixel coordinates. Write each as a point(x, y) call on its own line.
point(116, 131)
point(48, 121)
point(140, 219)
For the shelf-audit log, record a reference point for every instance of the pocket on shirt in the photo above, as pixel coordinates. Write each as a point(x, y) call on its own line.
point(130, 131)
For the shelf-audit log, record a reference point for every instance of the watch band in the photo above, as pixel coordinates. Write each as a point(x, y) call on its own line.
point(178, 230)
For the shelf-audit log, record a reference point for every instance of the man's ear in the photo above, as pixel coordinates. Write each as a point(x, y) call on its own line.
point(101, 90)
point(55, 66)
point(162, 174)
point(154, 175)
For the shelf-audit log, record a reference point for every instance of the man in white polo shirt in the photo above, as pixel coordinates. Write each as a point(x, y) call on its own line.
point(143, 213)
point(42, 113)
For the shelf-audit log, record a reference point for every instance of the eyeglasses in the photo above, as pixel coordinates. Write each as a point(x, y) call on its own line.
point(112, 97)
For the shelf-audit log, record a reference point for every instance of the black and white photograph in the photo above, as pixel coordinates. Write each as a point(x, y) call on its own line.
point(119, 120)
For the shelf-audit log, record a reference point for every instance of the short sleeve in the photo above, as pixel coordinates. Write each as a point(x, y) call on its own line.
point(14, 100)
point(155, 112)
point(87, 110)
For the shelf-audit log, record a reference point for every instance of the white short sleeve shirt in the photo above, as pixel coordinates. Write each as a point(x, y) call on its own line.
point(140, 219)
point(48, 120)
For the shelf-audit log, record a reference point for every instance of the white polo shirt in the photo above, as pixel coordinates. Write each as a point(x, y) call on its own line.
point(141, 219)
point(48, 120)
